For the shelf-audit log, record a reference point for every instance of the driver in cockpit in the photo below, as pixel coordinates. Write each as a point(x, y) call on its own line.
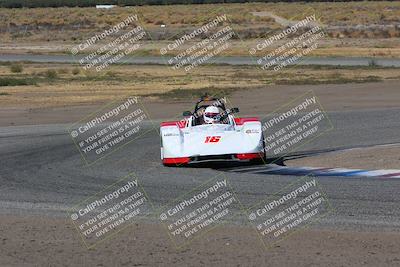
point(212, 115)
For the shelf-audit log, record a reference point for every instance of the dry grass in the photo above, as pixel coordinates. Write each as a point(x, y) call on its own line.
point(87, 88)
point(74, 24)
point(55, 30)
point(345, 13)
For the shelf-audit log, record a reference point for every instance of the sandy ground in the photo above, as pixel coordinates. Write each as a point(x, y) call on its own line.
point(39, 241)
point(260, 102)
point(333, 97)
point(386, 157)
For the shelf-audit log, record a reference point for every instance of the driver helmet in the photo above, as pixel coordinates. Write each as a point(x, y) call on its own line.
point(211, 115)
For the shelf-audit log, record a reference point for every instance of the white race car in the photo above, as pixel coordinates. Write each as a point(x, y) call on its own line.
point(211, 133)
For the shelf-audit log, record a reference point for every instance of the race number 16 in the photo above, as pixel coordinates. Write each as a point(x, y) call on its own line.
point(212, 139)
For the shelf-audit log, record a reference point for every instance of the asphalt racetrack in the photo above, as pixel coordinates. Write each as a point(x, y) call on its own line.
point(243, 60)
point(42, 173)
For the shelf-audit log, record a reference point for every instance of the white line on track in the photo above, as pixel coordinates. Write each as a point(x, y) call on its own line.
point(300, 171)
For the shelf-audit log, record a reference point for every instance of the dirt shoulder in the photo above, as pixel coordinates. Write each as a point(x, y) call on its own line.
point(385, 157)
point(333, 97)
point(260, 101)
point(45, 241)
point(39, 85)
